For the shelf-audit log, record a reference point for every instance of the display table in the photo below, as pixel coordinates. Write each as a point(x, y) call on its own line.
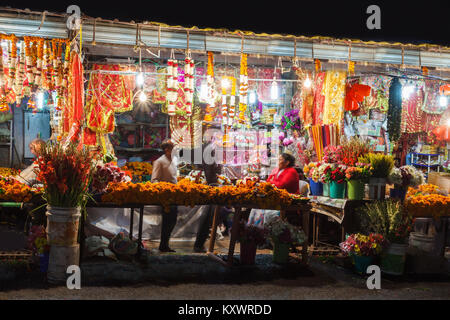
point(341, 211)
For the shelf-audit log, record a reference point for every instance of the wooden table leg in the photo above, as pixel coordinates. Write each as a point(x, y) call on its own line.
point(131, 223)
point(305, 223)
point(234, 235)
point(215, 223)
point(141, 218)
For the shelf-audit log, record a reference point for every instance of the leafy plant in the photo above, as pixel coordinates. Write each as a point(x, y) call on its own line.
point(388, 219)
point(382, 164)
point(352, 149)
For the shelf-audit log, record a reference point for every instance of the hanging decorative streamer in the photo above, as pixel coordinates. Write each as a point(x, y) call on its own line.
point(243, 88)
point(172, 85)
point(211, 90)
point(189, 83)
point(318, 65)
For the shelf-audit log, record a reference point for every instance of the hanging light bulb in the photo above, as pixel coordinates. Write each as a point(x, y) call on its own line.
point(142, 97)
point(203, 91)
point(307, 83)
point(443, 101)
point(407, 90)
point(252, 97)
point(274, 90)
point(140, 79)
point(225, 83)
point(40, 100)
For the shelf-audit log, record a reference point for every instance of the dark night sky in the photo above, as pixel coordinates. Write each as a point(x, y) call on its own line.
point(402, 21)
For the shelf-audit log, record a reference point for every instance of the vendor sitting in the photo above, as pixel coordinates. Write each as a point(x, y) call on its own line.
point(283, 177)
point(28, 175)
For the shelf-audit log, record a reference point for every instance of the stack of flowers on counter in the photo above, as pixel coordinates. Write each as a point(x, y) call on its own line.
point(104, 174)
point(362, 245)
point(406, 176)
point(8, 172)
point(427, 201)
point(311, 171)
point(15, 191)
point(197, 176)
point(138, 168)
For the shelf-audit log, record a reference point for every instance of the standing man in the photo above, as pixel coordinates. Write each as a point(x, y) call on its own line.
point(164, 169)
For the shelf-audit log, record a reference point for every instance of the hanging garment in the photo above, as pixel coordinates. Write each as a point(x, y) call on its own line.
point(379, 95)
point(73, 110)
point(354, 95)
point(412, 111)
point(334, 92)
point(319, 98)
point(431, 100)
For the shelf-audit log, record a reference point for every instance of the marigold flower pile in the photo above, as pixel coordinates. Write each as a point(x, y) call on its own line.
point(138, 168)
point(15, 191)
point(263, 195)
point(8, 172)
point(426, 201)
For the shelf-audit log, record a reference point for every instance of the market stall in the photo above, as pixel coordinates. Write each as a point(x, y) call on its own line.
point(358, 132)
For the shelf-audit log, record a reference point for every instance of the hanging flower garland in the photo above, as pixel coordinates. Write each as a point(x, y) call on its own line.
point(228, 111)
point(39, 62)
point(211, 90)
point(18, 85)
point(172, 85)
point(394, 115)
point(189, 83)
point(243, 88)
point(12, 61)
point(2, 73)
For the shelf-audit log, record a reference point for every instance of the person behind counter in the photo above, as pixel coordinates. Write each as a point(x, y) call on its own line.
point(283, 177)
point(164, 169)
point(28, 175)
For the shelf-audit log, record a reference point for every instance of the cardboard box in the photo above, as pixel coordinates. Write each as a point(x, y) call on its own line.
point(440, 179)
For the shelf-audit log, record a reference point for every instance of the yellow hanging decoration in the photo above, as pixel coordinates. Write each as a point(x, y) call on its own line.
point(243, 88)
point(318, 65)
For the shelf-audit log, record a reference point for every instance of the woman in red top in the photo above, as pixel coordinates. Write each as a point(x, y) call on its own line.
point(285, 176)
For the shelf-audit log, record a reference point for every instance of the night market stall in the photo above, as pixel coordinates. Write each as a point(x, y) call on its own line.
point(299, 127)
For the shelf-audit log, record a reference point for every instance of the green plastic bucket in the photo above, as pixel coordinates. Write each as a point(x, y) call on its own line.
point(326, 190)
point(355, 190)
point(337, 190)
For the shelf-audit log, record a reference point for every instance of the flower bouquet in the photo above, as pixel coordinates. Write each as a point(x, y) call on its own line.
point(104, 174)
point(325, 170)
point(404, 177)
point(337, 187)
point(332, 154)
point(356, 177)
point(311, 171)
point(250, 236)
point(363, 249)
point(382, 166)
point(283, 235)
point(352, 149)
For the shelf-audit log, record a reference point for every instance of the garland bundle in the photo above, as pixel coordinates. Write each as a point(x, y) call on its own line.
point(394, 115)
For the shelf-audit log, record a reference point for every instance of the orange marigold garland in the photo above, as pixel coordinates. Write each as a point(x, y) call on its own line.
point(211, 90)
point(189, 83)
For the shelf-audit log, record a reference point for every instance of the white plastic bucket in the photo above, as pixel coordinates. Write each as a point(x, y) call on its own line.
point(62, 225)
point(60, 258)
point(377, 188)
point(393, 259)
point(421, 241)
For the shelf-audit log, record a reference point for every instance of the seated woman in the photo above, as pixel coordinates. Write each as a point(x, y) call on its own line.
point(283, 177)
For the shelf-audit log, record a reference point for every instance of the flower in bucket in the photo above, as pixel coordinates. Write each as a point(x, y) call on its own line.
point(66, 173)
point(284, 232)
point(406, 176)
point(252, 234)
point(361, 171)
point(338, 173)
point(325, 170)
point(104, 174)
point(361, 245)
point(311, 171)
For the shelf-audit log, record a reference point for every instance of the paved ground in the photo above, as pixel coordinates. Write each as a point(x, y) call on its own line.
point(325, 281)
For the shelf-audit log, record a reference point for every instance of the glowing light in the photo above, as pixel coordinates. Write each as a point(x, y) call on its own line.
point(443, 101)
point(203, 91)
point(307, 83)
point(140, 79)
point(142, 97)
point(407, 90)
point(252, 97)
point(274, 90)
point(226, 83)
point(40, 100)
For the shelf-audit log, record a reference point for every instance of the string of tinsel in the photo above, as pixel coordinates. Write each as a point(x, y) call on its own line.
point(394, 116)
